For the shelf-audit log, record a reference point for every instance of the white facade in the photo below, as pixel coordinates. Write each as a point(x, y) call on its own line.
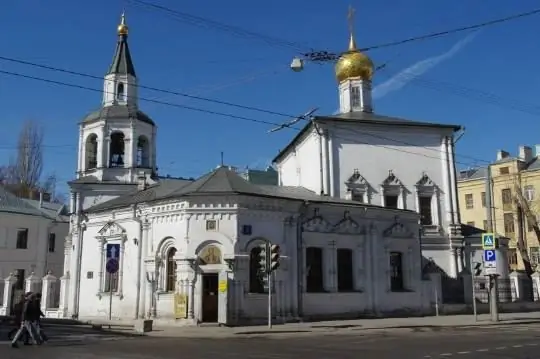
point(32, 237)
point(368, 162)
point(148, 232)
point(40, 255)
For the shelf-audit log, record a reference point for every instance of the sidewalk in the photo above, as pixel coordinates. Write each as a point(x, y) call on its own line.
point(454, 321)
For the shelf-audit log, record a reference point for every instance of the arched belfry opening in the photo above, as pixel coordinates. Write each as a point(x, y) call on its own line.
point(91, 149)
point(143, 152)
point(121, 92)
point(117, 150)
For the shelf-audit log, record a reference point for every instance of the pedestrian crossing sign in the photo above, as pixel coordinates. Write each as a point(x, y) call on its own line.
point(488, 241)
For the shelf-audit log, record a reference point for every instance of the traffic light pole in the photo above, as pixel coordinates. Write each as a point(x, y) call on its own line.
point(269, 277)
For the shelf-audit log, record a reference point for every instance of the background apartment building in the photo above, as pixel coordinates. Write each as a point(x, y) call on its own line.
point(515, 203)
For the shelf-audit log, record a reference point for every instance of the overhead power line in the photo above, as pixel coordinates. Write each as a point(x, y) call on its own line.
point(200, 21)
point(169, 92)
point(323, 55)
point(243, 118)
point(326, 56)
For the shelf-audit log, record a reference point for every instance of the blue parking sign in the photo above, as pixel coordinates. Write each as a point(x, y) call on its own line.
point(490, 256)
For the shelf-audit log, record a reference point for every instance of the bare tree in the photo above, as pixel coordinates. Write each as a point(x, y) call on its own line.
point(28, 164)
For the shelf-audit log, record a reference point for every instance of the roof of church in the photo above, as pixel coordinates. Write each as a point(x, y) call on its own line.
point(221, 181)
point(122, 63)
point(118, 112)
point(363, 118)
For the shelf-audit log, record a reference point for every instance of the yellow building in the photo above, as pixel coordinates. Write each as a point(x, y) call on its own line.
point(516, 206)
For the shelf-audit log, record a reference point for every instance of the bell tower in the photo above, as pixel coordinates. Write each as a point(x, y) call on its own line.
point(117, 142)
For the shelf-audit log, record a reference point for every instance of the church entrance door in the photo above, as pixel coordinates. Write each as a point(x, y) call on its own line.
point(210, 297)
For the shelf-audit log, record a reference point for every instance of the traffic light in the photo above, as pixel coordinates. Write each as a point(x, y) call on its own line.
point(477, 269)
point(263, 259)
point(274, 257)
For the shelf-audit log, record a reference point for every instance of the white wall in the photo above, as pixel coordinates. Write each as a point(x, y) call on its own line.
point(301, 167)
point(36, 258)
point(182, 225)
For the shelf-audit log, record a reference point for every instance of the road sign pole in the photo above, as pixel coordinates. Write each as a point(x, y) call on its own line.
point(494, 298)
point(475, 313)
point(110, 295)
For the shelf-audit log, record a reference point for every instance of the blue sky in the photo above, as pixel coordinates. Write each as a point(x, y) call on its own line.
point(479, 85)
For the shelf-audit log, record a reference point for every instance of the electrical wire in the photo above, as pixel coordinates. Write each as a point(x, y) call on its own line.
point(198, 20)
point(169, 92)
point(61, 83)
point(454, 89)
point(205, 22)
point(455, 30)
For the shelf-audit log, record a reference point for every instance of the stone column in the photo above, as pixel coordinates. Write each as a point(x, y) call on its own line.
point(101, 273)
point(417, 199)
point(121, 269)
point(48, 292)
point(459, 259)
point(64, 292)
point(435, 206)
point(32, 283)
point(191, 296)
point(9, 282)
point(401, 199)
point(142, 307)
point(453, 263)
point(359, 277)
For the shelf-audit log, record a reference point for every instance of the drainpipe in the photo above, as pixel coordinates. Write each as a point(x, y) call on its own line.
point(140, 244)
point(300, 258)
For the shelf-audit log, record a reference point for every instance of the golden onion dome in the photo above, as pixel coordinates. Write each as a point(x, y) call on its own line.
point(353, 64)
point(123, 28)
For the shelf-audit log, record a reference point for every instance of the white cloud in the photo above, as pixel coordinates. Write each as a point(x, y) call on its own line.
point(401, 79)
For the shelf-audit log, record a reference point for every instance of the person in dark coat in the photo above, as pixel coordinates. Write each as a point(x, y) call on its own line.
point(37, 315)
point(27, 313)
point(17, 313)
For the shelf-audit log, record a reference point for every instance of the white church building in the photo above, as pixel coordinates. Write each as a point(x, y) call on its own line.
point(361, 199)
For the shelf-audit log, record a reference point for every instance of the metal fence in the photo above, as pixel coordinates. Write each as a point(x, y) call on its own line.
point(506, 290)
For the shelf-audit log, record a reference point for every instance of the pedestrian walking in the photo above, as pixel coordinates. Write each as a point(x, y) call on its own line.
point(17, 314)
point(27, 315)
point(38, 314)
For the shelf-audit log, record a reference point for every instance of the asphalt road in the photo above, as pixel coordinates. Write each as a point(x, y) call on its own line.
point(513, 341)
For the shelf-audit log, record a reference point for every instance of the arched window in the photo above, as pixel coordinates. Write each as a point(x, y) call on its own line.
point(90, 148)
point(120, 92)
point(142, 152)
point(116, 158)
point(170, 285)
point(256, 277)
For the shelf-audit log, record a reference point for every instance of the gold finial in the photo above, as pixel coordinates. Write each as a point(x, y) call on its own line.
point(350, 18)
point(353, 63)
point(123, 28)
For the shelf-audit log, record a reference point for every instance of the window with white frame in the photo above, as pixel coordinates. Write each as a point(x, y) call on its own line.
point(112, 238)
point(392, 191)
point(357, 188)
point(111, 282)
point(469, 201)
point(528, 192)
point(170, 268)
point(397, 277)
point(426, 192)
